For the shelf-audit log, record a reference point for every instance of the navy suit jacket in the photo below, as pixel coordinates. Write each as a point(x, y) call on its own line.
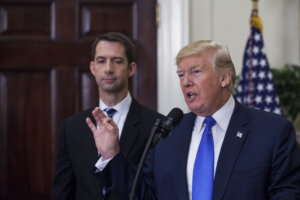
point(263, 162)
point(77, 150)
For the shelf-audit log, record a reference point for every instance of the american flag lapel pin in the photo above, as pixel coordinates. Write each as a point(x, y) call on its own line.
point(239, 134)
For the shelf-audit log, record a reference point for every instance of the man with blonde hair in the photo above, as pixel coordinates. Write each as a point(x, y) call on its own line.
point(221, 150)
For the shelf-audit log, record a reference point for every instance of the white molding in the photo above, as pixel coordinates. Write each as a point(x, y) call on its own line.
point(173, 34)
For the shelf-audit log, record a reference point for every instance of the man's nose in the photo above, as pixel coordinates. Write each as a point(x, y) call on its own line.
point(186, 81)
point(109, 67)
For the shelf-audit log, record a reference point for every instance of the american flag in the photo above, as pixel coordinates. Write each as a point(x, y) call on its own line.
point(256, 87)
point(239, 134)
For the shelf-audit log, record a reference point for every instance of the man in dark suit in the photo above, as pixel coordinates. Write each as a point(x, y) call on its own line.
point(221, 150)
point(113, 63)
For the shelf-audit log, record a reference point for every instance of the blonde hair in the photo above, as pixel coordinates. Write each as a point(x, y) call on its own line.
point(219, 54)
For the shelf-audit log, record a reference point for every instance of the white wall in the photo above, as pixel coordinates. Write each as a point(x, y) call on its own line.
point(228, 23)
point(183, 21)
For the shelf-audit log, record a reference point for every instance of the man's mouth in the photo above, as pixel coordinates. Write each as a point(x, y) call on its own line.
point(191, 95)
point(109, 79)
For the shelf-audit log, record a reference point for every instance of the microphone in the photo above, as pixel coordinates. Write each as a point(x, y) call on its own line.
point(173, 118)
point(159, 130)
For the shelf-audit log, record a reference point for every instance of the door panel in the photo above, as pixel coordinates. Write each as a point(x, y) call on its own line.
point(28, 155)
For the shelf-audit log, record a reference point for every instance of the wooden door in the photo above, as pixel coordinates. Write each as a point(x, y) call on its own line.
point(45, 50)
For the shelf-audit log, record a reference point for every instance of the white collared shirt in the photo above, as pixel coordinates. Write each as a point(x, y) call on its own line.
point(122, 109)
point(222, 118)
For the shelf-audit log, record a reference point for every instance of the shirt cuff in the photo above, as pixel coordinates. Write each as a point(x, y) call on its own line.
point(101, 164)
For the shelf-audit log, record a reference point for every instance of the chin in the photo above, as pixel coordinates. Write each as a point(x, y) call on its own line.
point(197, 110)
point(193, 107)
point(194, 110)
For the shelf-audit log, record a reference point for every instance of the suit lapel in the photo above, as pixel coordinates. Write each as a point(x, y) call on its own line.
point(182, 136)
point(233, 142)
point(130, 132)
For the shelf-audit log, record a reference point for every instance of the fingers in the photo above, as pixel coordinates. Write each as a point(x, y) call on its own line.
point(110, 124)
point(98, 115)
point(101, 120)
point(90, 124)
point(103, 123)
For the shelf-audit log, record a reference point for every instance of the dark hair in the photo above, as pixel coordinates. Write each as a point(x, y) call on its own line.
point(117, 37)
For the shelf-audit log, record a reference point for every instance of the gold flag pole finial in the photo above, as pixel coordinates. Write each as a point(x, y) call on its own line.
point(255, 20)
point(255, 4)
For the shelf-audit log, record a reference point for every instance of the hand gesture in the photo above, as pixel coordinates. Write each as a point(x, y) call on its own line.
point(106, 135)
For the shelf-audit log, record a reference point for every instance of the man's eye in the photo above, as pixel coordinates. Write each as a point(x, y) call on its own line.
point(195, 72)
point(180, 76)
point(118, 61)
point(100, 61)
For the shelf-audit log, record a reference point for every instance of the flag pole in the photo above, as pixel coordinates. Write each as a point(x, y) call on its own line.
point(255, 4)
point(254, 14)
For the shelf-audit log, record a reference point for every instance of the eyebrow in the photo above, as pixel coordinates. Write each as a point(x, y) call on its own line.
point(99, 57)
point(193, 67)
point(114, 58)
point(178, 71)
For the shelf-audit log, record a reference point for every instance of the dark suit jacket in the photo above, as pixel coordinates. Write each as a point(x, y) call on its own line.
point(261, 162)
point(77, 150)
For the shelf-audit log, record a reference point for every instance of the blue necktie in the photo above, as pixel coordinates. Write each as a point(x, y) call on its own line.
point(110, 112)
point(203, 174)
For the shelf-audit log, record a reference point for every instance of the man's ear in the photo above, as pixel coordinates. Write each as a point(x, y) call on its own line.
point(132, 69)
point(92, 69)
point(225, 78)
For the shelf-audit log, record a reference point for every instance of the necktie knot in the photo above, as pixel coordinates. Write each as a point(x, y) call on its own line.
point(210, 122)
point(110, 112)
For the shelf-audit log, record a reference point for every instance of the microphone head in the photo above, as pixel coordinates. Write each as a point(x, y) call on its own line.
point(175, 116)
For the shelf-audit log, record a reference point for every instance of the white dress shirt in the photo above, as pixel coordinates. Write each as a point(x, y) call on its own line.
point(222, 118)
point(122, 109)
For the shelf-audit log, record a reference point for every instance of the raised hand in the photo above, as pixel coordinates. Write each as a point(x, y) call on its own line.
point(106, 136)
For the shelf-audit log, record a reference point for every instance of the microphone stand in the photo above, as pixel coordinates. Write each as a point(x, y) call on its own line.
point(149, 145)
